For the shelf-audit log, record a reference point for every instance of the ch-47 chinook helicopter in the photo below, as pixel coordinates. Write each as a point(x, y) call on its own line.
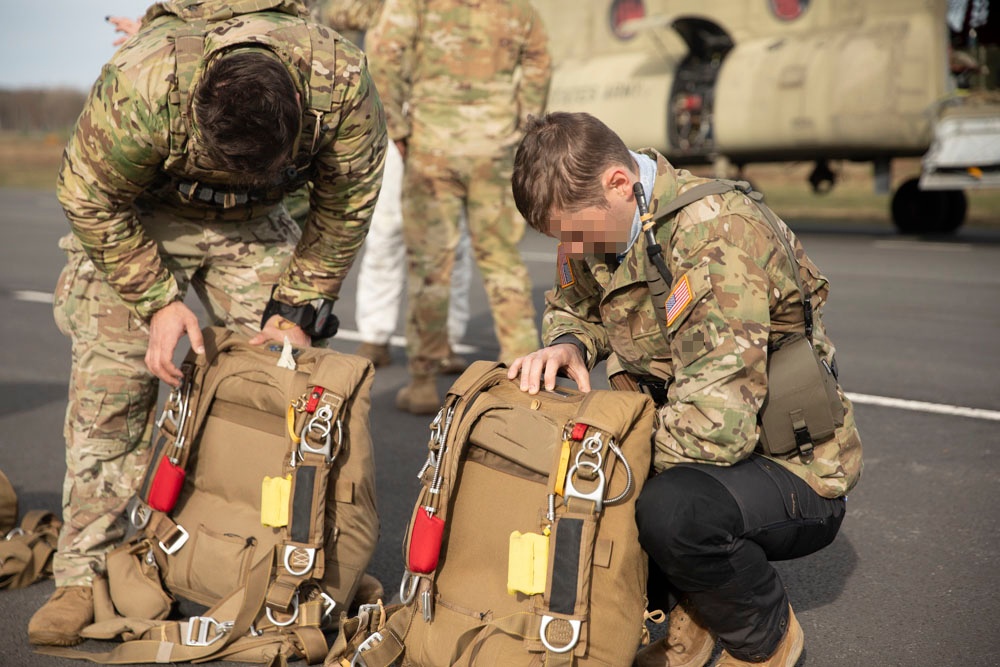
point(730, 82)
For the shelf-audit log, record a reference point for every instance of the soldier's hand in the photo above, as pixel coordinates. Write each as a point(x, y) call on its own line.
point(124, 25)
point(166, 328)
point(277, 327)
point(546, 363)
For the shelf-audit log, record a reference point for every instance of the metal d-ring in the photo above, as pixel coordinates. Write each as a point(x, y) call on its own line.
point(574, 626)
point(295, 613)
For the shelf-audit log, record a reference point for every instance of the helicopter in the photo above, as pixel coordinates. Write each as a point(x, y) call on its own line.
point(730, 82)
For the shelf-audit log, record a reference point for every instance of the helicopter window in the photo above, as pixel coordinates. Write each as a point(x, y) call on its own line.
point(623, 11)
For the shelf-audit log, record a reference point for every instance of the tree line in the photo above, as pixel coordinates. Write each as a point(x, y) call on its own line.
point(39, 110)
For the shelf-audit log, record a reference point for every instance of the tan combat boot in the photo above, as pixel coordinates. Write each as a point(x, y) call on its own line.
point(453, 364)
point(688, 643)
point(377, 354)
point(369, 591)
point(787, 653)
point(59, 621)
point(420, 397)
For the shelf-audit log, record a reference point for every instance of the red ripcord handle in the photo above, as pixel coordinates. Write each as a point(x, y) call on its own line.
point(425, 542)
point(166, 486)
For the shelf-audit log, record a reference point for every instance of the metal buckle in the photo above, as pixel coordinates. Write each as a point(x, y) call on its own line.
point(366, 645)
point(205, 624)
point(573, 624)
point(410, 581)
point(289, 550)
point(139, 513)
point(425, 605)
point(597, 495)
point(329, 604)
point(177, 543)
point(320, 425)
point(295, 613)
point(14, 532)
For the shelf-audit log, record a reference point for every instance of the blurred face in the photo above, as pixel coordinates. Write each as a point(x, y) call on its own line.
point(598, 230)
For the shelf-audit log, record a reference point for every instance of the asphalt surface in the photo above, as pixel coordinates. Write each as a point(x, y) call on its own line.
point(911, 579)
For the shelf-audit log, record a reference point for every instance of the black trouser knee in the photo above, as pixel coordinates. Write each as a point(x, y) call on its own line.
point(712, 530)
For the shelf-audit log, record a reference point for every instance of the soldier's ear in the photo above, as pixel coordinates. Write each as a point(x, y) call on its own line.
point(616, 179)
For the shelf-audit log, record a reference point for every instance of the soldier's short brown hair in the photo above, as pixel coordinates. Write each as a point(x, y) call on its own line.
point(559, 163)
point(248, 116)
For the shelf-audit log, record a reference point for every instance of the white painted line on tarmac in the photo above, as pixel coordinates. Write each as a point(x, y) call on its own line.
point(32, 296)
point(400, 341)
point(461, 348)
point(905, 244)
point(923, 406)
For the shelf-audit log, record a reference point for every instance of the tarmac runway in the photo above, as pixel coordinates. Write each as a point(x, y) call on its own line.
point(911, 579)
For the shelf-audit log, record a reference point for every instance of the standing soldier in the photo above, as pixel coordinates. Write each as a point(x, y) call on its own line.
point(191, 136)
point(459, 79)
point(381, 269)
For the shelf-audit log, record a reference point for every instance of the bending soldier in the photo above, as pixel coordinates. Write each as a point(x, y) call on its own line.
point(174, 176)
point(717, 510)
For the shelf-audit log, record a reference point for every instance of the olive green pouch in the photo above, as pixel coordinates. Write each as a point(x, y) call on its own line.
point(802, 405)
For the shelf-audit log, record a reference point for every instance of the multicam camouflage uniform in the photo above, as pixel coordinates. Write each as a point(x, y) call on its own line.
point(141, 234)
point(742, 292)
point(458, 79)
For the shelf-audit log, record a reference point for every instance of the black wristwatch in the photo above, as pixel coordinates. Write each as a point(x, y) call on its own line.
point(316, 318)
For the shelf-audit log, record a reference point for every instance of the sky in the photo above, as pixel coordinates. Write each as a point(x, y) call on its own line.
point(58, 43)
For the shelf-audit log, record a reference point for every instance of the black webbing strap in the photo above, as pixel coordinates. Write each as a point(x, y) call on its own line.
point(565, 566)
point(300, 518)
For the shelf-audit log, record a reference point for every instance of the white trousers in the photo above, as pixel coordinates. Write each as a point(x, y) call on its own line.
point(382, 274)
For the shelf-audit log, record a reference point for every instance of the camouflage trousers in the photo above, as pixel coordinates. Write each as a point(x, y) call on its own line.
point(436, 188)
point(112, 395)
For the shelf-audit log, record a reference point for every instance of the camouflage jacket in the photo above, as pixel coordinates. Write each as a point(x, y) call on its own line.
point(714, 354)
point(346, 15)
point(133, 147)
point(458, 75)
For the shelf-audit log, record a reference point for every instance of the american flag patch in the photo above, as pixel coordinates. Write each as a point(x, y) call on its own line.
point(678, 300)
point(565, 270)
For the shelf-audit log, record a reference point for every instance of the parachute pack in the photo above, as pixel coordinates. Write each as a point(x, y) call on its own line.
point(523, 547)
point(259, 504)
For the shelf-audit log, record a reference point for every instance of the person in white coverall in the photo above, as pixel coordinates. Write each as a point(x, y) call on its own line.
point(382, 276)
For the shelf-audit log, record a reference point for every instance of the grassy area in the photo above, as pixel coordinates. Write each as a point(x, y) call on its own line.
point(32, 161)
point(788, 192)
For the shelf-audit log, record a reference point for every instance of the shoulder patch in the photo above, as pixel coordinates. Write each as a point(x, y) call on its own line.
point(566, 277)
point(680, 297)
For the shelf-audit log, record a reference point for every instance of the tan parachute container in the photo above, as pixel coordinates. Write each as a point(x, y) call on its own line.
point(523, 547)
point(259, 503)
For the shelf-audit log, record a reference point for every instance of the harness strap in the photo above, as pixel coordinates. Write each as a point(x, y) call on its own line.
point(189, 46)
point(718, 187)
point(165, 641)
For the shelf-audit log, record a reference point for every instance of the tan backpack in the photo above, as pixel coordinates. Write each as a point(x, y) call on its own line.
point(259, 503)
point(25, 550)
point(523, 547)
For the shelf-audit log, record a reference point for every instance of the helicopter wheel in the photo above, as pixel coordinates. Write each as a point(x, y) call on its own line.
point(916, 211)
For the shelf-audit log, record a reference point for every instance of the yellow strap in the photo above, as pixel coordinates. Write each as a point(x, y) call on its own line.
point(290, 421)
point(559, 483)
